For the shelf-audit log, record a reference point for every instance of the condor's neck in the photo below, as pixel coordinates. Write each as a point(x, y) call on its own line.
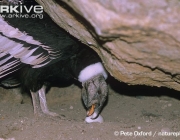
point(91, 71)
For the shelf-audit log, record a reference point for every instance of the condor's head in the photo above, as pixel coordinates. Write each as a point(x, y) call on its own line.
point(95, 90)
point(94, 95)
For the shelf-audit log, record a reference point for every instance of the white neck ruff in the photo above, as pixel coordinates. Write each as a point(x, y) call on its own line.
point(91, 71)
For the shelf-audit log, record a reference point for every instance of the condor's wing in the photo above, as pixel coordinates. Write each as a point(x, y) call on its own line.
point(18, 49)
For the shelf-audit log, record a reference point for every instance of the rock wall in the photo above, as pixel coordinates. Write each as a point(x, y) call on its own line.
point(138, 41)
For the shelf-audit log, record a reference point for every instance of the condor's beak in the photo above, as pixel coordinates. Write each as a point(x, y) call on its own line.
point(94, 94)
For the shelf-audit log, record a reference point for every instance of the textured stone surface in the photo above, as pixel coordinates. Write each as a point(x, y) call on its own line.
point(138, 41)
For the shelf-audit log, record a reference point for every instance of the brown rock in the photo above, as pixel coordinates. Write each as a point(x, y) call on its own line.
point(138, 41)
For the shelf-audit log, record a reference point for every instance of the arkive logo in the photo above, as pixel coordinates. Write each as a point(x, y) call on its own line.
point(19, 6)
point(37, 9)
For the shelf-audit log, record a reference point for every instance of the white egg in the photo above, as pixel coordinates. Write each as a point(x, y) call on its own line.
point(99, 119)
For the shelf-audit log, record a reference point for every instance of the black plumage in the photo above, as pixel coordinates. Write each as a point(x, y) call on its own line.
point(53, 56)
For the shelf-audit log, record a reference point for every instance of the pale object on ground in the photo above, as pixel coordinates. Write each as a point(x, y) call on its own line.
point(99, 119)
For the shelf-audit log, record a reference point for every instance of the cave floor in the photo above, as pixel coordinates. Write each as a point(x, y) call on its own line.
point(135, 116)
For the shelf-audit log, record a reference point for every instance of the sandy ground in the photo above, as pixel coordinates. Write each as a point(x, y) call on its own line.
point(132, 112)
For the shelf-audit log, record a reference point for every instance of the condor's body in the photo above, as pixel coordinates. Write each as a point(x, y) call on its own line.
point(50, 55)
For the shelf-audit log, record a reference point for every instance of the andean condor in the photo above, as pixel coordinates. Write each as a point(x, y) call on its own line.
point(50, 55)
